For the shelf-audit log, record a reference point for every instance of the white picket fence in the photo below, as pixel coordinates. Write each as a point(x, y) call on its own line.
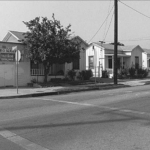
point(37, 72)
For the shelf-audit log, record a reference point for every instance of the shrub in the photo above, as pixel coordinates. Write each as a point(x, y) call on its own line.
point(123, 74)
point(105, 74)
point(60, 72)
point(79, 76)
point(142, 73)
point(86, 74)
point(71, 74)
point(132, 72)
point(33, 80)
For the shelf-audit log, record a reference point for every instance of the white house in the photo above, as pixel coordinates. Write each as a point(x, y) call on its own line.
point(101, 57)
point(148, 57)
point(27, 69)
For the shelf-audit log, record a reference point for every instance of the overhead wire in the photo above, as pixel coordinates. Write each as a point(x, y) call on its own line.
point(111, 21)
point(109, 26)
point(131, 40)
point(137, 39)
point(106, 20)
point(134, 9)
point(101, 25)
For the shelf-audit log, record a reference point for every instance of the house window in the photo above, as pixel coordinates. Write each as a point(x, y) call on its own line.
point(136, 62)
point(91, 62)
point(110, 62)
point(76, 64)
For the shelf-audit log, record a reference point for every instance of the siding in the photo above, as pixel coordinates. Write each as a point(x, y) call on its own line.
point(136, 52)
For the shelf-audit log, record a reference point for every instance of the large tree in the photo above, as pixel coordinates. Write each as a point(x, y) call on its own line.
point(48, 42)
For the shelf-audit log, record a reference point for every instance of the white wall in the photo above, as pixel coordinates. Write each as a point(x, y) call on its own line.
point(8, 68)
point(8, 74)
point(99, 59)
point(144, 60)
point(23, 73)
point(137, 51)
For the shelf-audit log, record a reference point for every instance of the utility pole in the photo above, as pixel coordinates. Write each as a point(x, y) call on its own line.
point(115, 39)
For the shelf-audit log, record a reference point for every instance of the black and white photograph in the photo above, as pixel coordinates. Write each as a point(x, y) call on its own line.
point(75, 75)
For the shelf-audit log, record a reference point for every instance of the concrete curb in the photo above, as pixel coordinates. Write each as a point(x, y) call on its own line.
point(106, 87)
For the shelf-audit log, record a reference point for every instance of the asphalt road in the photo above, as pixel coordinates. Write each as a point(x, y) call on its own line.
point(117, 119)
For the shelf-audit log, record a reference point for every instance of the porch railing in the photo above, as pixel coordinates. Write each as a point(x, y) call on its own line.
point(37, 72)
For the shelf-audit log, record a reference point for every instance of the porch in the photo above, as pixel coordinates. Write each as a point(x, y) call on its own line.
point(123, 62)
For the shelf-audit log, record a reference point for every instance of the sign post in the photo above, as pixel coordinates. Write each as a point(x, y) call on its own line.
point(95, 61)
point(17, 58)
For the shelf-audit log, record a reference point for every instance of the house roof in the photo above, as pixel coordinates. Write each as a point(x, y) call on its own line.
point(128, 48)
point(120, 48)
point(18, 35)
point(146, 50)
point(107, 46)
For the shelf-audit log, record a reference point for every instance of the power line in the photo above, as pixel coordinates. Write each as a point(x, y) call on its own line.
point(109, 26)
point(107, 19)
point(101, 25)
point(131, 40)
point(136, 40)
point(134, 9)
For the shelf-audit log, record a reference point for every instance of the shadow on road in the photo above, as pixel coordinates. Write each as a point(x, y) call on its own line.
point(112, 115)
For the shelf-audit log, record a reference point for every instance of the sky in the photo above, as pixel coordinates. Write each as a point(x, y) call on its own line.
point(85, 17)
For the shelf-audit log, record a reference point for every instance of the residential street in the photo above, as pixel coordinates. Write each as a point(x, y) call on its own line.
point(117, 119)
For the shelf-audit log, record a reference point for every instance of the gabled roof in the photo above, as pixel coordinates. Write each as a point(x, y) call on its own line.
point(18, 35)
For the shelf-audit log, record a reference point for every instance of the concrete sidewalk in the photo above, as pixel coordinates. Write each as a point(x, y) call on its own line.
point(33, 92)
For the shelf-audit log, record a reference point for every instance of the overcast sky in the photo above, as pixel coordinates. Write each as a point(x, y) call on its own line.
point(86, 17)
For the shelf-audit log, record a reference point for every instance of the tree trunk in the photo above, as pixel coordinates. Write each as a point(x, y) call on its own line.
point(46, 72)
point(45, 76)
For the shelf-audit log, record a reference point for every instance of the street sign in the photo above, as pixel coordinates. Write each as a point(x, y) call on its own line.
point(7, 57)
point(19, 55)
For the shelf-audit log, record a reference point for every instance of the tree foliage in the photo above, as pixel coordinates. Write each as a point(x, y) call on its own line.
point(48, 42)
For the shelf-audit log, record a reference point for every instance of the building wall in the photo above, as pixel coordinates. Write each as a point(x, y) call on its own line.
point(144, 60)
point(8, 73)
point(99, 59)
point(23, 73)
point(127, 62)
point(8, 69)
point(137, 51)
point(82, 60)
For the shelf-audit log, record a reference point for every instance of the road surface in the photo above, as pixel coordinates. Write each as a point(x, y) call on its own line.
point(117, 119)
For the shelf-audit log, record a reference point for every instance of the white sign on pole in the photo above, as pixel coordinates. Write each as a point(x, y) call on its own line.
point(19, 56)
